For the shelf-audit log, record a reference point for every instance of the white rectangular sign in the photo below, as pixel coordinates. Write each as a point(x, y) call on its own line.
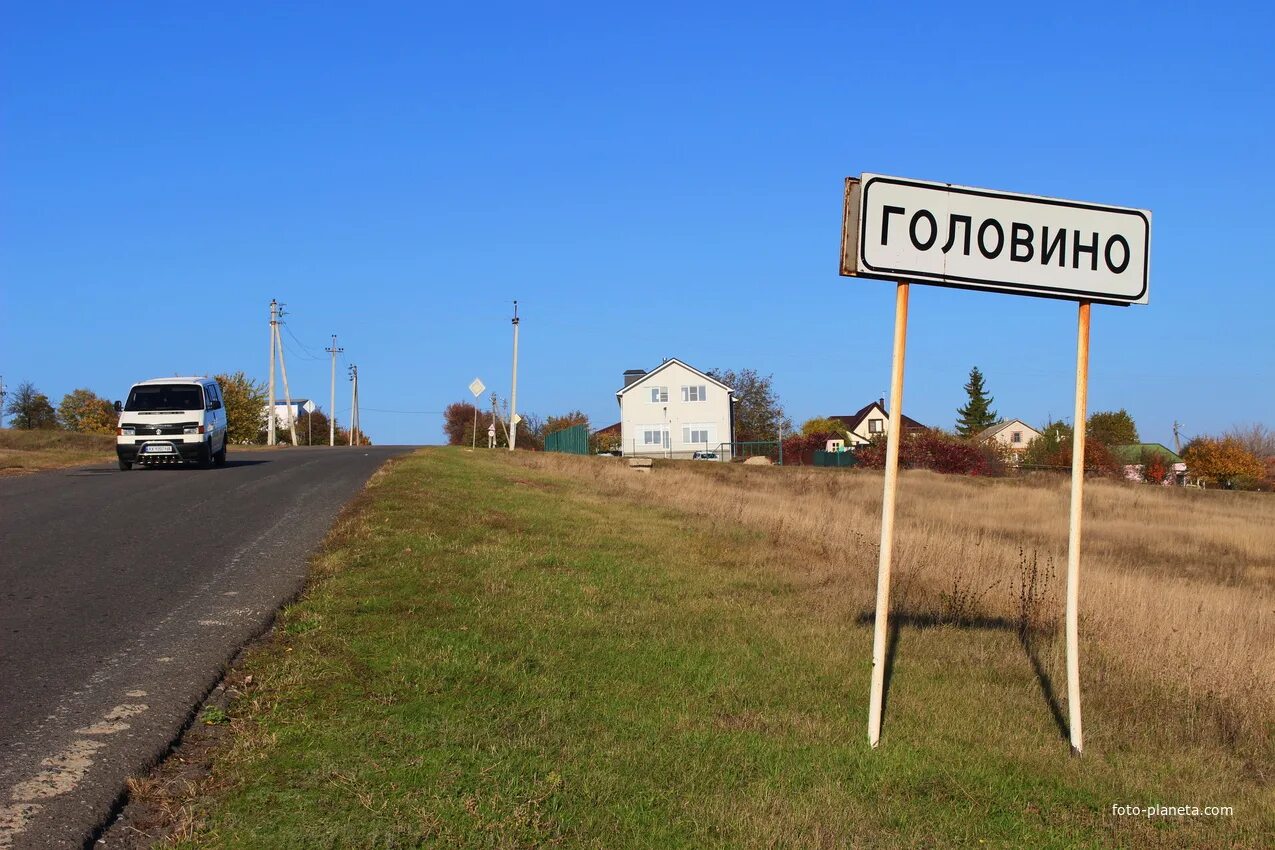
point(914, 230)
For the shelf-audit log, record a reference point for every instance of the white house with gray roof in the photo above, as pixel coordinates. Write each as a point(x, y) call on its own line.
point(674, 411)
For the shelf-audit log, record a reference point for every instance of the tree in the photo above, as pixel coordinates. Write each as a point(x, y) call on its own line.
point(1112, 428)
point(1154, 468)
point(31, 409)
point(1256, 438)
point(245, 401)
point(458, 423)
point(608, 442)
point(1057, 455)
point(458, 426)
point(1042, 450)
point(932, 449)
point(758, 415)
point(823, 425)
point(312, 430)
point(566, 420)
point(977, 414)
point(85, 411)
point(1224, 462)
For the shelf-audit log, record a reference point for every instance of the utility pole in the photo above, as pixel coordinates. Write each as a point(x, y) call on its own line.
point(2, 393)
point(1177, 437)
point(354, 403)
point(334, 351)
point(274, 327)
point(283, 369)
point(513, 398)
point(496, 417)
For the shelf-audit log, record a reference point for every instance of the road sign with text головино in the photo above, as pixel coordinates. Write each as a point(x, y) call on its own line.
point(938, 233)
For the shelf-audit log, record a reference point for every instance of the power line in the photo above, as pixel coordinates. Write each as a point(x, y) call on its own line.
point(409, 412)
point(308, 354)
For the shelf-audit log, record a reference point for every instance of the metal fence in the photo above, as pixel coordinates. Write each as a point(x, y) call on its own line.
point(573, 440)
point(845, 459)
point(772, 449)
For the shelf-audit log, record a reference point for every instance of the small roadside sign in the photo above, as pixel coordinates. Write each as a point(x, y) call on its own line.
point(476, 387)
point(516, 419)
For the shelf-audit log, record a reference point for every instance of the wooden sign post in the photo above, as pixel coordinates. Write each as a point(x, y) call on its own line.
point(893, 431)
point(946, 235)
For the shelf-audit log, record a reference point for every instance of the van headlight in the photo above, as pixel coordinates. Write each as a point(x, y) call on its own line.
point(126, 431)
point(193, 429)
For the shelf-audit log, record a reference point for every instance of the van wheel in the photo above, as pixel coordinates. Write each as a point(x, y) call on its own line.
point(125, 465)
point(219, 459)
point(206, 457)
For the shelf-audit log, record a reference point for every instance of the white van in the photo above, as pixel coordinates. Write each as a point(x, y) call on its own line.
point(170, 421)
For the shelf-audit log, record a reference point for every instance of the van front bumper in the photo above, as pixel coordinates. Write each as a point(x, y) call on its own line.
point(182, 452)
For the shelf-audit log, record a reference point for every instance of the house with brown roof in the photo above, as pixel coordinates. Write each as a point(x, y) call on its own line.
point(870, 421)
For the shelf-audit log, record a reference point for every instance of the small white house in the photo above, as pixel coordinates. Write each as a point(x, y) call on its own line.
point(284, 415)
point(1015, 435)
point(674, 411)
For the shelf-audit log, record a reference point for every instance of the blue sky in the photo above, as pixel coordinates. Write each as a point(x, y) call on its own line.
point(648, 182)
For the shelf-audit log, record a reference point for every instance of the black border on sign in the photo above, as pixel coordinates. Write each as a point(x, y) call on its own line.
point(997, 285)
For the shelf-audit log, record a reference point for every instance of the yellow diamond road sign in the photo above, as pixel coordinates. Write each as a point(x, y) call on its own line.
point(477, 387)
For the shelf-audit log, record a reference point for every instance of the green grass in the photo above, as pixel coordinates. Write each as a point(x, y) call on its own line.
point(494, 657)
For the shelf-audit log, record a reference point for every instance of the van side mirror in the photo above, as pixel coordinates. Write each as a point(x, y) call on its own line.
point(118, 407)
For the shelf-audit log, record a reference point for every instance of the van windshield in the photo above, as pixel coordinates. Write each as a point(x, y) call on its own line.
point(157, 397)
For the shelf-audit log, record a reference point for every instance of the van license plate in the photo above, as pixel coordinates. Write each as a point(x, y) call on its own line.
point(155, 450)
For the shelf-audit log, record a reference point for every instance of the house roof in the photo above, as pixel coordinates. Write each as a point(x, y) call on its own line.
point(1132, 453)
point(854, 420)
point(658, 369)
point(609, 429)
point(988, 433)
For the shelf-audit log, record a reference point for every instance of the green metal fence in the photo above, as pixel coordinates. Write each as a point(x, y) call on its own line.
point(573, 440)
point(834, 458)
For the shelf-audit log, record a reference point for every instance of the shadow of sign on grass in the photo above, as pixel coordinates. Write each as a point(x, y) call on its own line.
point(1028, 640)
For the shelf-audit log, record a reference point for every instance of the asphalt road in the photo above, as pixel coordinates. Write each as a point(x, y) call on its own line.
point(122, 597)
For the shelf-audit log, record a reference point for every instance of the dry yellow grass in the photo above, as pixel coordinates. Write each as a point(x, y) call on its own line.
point(1176, 587)
point(25, 451)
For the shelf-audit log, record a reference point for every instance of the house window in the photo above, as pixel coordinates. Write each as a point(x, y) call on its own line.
point(1016, 437)
point(659, 395)
point(876, 426)
point(695, 434)
point(699, 393)
point(652, 437)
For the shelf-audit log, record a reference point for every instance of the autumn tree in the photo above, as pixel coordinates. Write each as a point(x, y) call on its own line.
point(1256, 438)
point(30, 409)
point(977, 414)
point(312, 430)
point(245, 405)
point(85, 411)
point(608, 442)
point(1224, 462)
point(458, 426)
point(1042, 450)
point(823, 425)
point(1154, 468)
point(1112, 428)
point(758, 414)
point(566, 420)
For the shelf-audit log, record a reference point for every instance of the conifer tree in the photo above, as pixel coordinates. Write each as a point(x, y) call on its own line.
point(977, 414)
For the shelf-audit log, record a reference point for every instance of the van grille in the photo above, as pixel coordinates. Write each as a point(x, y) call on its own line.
point(169, 430)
